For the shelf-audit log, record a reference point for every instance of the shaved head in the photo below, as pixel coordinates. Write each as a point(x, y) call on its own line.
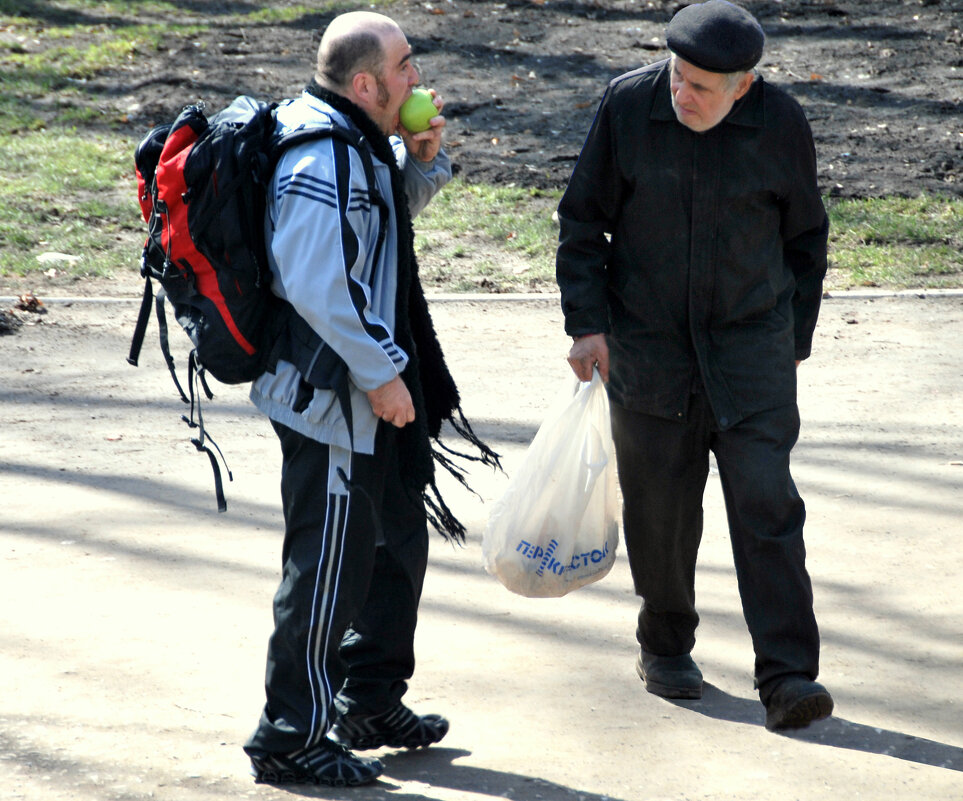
point(353, 43)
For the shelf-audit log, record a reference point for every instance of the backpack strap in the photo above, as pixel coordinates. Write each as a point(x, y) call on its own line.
point(162, 332)
point(355, 140)
point(318, 364)
point(197, 382)
point(143, 317)
point(325, 368)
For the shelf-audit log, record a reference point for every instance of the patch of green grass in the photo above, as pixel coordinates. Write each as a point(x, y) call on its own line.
point(276, 14)
point(38, 61)
point(63, 8)
point(502, 239)
point(896, 243)
point(65, 186)
point(499, 238)
point(56, 47)
point(66, 193)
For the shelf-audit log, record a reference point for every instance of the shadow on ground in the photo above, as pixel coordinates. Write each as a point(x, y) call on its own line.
point(835, 732)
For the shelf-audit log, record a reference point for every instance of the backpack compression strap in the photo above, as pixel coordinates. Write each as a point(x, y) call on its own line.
point(318, 364)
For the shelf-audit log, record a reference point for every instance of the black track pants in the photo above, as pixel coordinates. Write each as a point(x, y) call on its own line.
point(344, 577)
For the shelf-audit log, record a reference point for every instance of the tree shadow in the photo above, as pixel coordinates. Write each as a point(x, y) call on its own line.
point(870, 98)
point(835, 732)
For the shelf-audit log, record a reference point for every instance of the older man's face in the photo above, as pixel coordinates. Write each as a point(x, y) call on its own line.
point(702, 99)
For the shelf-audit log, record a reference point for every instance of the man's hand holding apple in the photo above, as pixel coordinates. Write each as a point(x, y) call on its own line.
point(423, 108)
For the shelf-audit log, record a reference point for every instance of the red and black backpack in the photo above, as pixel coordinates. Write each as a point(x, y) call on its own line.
point(202, 188)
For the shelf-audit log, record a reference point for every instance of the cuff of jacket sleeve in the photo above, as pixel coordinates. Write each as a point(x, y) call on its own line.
point(585, 322)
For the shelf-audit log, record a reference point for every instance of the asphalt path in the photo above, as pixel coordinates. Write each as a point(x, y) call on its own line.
point(134, 617)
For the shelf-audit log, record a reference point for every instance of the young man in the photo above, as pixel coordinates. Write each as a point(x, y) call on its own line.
point(355, 406)
point(691, 257)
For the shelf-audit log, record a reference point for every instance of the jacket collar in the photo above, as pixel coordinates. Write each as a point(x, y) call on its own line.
point(380, 143)
point(749, 110)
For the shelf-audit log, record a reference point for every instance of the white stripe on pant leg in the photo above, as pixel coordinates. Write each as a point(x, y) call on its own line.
point(316, 679)
point(324, 602)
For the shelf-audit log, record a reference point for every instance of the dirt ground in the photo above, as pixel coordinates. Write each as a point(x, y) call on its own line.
point(134, 617)
point(882, 82)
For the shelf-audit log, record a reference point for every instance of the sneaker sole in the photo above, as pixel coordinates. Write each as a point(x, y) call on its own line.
point(422, 736)
point(802, 713)
point(376, 741)
point(367, 742)
point(290, 777)
point(281, 774)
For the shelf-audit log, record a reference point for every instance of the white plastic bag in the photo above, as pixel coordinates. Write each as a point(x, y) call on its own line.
point(556, 527)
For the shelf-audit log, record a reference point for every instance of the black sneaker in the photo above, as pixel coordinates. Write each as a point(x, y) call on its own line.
point(399, 727)
point(326, 763)
point(670, 676)
point(796, 702)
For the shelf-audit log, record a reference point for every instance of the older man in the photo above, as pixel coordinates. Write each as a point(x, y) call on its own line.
point(691, 257)
point(355, 408)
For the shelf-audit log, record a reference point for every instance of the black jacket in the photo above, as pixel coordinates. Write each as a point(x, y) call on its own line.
point(701, 255)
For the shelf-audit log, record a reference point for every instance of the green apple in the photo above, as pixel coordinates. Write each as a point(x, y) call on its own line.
point(417, 110)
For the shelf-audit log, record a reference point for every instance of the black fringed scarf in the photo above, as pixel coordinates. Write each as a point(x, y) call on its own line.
point(433, 391)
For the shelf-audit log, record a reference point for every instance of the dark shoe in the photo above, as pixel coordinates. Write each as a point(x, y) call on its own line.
point(326, 763)
point(399, 727)
point(796, 702)
point(670, 676)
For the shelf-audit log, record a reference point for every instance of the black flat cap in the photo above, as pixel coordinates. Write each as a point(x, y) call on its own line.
point(717, 36)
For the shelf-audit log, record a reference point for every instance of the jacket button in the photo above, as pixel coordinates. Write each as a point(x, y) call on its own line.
point(723, 421)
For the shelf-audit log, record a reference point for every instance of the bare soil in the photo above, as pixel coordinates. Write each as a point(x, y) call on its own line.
point(882, 82)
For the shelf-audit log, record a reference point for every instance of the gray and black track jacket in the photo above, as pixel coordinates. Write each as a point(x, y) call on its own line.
point(321, 231)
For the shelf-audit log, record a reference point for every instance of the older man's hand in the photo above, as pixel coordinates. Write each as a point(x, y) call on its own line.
point(589, 352)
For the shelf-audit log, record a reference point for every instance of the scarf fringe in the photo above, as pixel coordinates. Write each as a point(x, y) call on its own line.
point(463, 427)
point(441, 517)
point(427, 377)
point(456, 471)
point(438, 512)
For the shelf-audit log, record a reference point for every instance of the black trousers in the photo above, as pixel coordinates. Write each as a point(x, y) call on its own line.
point(353, 566)
point(663, 466)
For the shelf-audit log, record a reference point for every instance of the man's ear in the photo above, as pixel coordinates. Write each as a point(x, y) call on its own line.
point(364, 86)
point(744, 83)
